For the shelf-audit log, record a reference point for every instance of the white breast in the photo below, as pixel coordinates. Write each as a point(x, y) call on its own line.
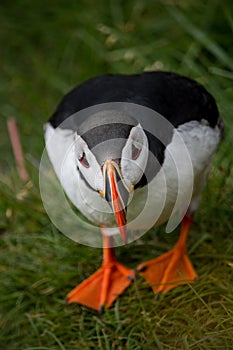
point(183, 175)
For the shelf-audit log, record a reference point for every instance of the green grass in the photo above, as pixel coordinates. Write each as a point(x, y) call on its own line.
point(47, 48)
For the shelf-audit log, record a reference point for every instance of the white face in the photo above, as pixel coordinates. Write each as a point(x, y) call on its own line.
point(133, 160)
point(88, 165)
point(134, 156)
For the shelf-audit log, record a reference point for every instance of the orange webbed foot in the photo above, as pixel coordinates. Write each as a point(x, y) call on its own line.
point(106, 284)
point(172, 268)
point(168, 271)
point(103, 287)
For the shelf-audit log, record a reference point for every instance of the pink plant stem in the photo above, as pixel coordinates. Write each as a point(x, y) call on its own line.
point(17, 149)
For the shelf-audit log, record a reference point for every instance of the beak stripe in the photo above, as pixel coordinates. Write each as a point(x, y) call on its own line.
point(113, 195)
point(117, 202)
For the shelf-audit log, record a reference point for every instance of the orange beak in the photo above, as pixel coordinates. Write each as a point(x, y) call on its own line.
point(117, 195)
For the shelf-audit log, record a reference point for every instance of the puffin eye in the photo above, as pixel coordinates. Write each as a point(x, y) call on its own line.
point(135, 152)
point(83, 160)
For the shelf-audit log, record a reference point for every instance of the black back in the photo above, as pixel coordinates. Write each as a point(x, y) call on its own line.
point(177, 98)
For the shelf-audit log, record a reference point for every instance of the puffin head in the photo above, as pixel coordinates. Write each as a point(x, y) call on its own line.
point(111, 155)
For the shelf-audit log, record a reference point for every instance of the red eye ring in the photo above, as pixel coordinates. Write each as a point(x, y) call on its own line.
point(83, 160)
point(135, 152)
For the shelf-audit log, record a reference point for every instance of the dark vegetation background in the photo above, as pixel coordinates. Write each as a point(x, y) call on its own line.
point(47, 47)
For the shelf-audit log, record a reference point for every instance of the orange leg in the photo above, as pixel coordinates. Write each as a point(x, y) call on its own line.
point(106, 284)
point(172, 268)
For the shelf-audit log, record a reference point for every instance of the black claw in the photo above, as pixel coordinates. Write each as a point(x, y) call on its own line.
point(101, 309)
point(66, 301)
point(131, 278)
point(157, 296)
point(141, 269)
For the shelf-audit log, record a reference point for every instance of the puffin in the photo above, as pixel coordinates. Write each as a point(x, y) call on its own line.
point(133, 152)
